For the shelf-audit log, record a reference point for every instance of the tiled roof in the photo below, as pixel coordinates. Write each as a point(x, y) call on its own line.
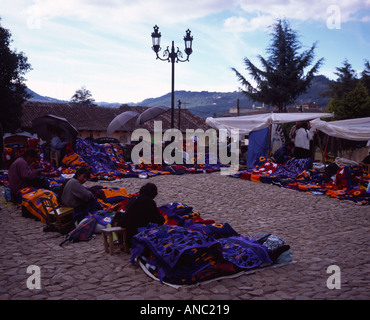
point(98, 118)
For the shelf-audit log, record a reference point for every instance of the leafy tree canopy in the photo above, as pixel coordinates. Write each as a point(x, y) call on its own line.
point(350, 93)
point(83, 97)
point(13, 67)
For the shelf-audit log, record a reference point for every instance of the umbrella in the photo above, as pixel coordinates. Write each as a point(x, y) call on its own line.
point(121, 122)
point(149, 114)
point(45, 127)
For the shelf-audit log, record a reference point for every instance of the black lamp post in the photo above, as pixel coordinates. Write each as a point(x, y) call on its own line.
point(172, 56)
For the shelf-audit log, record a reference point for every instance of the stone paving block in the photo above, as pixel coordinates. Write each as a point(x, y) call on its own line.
point(321, 231)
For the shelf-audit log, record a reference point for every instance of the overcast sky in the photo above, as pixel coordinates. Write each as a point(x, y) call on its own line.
point(105, 45)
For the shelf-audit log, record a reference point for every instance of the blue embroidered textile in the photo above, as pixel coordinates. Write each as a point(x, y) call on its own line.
point(244, 253)
point(181, 255)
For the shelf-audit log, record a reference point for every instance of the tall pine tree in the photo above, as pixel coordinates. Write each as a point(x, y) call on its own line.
point(282, 78)
point(365, 76)
point(346, 81)
point(350, 94)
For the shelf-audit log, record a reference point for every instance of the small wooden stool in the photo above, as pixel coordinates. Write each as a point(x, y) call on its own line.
point(108, 239)
point(54, 158)
point(366, 167)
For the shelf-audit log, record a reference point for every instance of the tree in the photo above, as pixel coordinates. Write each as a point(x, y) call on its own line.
point(354, 104)
point(83, 97)
point(282, 78)
point(346, 81)
point(13, 93)
point(365, 76)
point(350, 94)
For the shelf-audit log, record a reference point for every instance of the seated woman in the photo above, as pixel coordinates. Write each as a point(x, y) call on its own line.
point(74, 194)
point(284, 153)
point(140, 211)
point(21, 175)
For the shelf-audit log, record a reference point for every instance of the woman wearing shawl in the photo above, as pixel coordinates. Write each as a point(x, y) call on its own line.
point(21, 175)
point(140, 211)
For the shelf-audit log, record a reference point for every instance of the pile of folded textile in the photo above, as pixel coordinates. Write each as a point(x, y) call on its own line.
point(346, 183)
point(188, 250)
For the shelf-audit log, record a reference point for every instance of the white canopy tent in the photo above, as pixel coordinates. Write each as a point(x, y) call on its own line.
point(249, 123)
point(253, 123)
point(350, 129)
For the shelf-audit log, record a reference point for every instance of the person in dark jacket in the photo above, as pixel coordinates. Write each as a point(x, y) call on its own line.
point(21, 175)
point(140, 211)
point(284, 153)
point(73, 194)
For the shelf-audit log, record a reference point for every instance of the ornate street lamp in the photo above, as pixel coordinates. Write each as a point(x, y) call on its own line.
point(172, 56)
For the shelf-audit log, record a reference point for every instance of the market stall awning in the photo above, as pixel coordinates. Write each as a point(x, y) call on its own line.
point(246, 124)
point(350, 129)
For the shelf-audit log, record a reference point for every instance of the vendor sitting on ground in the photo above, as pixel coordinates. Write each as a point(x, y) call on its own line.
point(73, 194)
point(140, 211)
point(20, 174)
point(284, 153)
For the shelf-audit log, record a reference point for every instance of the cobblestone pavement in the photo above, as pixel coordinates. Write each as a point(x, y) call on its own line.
point(321, 232)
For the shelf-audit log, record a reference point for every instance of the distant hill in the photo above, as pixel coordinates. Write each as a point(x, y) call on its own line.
point(208, 104)
point(202, 103)
point(319, 85)
point(38, 98)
